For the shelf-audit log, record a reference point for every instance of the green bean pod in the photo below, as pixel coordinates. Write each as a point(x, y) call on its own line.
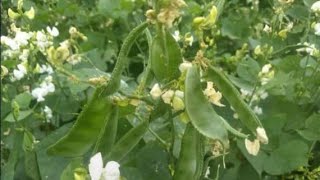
point(86, 128)
point(31, 164)
point(246, 115)
point(127, 142)
point(114, 82)
point(201, 114)
point(107, 136)
point(189, 165)
point(165, 57)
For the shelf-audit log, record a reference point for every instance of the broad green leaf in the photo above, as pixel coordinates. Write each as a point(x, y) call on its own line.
point(31, 164)
point(68, 172)
point(22, 116)
point(158, 170)
point(287, 157)
point(9, 169)
point(23, 100)
point(311, 131)
point(248, 69)
point(48, 163)
point(257, 162)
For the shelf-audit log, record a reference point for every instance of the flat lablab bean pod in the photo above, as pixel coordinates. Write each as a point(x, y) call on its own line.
point(127, 142)
point(246, 115)
point(165, 57)
point(189, 165)
point(201, 114)
point(86, 129)
point(114, 82)
point(108, 135)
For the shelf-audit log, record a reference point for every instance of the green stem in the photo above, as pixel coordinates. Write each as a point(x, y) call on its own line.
point(163, 142)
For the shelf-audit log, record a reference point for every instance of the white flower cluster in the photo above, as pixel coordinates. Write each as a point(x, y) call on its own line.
point(309, 49)
point(20, 72)
point(173, 98)
point(48, 113)
point(316, 7)
point(45, 88)
point(253, 147)
point(98, 172)
point(316, 28)
point(266, 74)
point(213, 96)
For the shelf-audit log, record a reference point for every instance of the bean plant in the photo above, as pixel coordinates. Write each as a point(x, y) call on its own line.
point(160, 89)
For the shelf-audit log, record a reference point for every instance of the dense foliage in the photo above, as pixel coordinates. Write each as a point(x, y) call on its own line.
point(160, 89)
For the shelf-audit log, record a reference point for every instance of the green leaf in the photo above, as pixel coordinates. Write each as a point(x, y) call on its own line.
point(248, 69)
point(8, 171)
point(48, 163)
point(257, 162)
point(287, 157)
point(22, 116)
point(23, 100)
point(68, 172)
point(311, 131)
point(31, 164)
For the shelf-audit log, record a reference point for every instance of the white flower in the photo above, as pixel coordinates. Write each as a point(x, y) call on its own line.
point(213, 95)
point(42, 41)
point(179, 94)
point(185, 66)
point(45, 88)
point(252, 147)
point(316, 7)
point(39, 94)
point(257, 110)
point(261, 135)
point(53, 32)
point(266, 68)
point(267, 29)
point(48, 112)
point(167, 96)
point(207, 172)
point(264, 95)
point(109, 172)
point(317, 29)
point(20, 72)
point(155, 91)
point(9, 42)
point(289, 26)
point(24, 55)
point(189, 39)
point(177, 103)
point(310, 49)
point(176, 35)
point(245, 93)
point(74, 59)
point(22, 38)
point(45, 69)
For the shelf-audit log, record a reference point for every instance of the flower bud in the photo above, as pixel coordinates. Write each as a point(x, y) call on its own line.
point(13, 15)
